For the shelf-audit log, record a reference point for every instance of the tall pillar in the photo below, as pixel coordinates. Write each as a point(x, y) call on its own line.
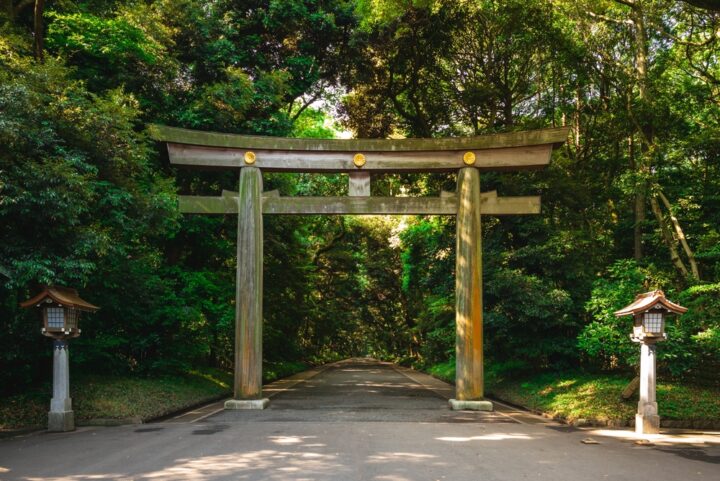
point(248, 300)
point(647, 420)
point(469, 380)
point(61, 416)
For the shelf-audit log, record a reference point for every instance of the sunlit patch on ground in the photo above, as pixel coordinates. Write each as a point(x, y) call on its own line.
point(83, 477)
point(669, 438)
point(392, 477)
point(395, 456)
point(485, 437)
point(284, 440)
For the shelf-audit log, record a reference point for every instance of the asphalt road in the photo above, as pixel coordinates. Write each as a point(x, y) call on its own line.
point(354, 421)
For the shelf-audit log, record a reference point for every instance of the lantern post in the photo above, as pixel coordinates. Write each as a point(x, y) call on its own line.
point(60, 308)
point(649, 311)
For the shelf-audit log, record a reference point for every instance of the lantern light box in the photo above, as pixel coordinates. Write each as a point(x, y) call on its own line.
point(649, 311)
point(61, 307)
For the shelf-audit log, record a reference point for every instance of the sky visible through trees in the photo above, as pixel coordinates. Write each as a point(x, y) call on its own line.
point(630, 203)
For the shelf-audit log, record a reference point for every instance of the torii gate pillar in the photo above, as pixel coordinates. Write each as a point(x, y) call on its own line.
point(469, 379)
point(248, 298)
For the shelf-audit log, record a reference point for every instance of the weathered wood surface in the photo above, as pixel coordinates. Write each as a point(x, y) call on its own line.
point(272, 203)
point(501, 158)
point(510, 205)
point(359, 205)
point(194, 204)
point(630, 389)
point(469, 379)
point(162, 133)
point(359, 184)
point(249, 286)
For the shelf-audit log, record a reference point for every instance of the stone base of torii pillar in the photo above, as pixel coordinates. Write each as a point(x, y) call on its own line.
point(460, 405)
point(247, 403)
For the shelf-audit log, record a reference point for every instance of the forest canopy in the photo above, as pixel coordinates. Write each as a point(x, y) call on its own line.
point(630, 203)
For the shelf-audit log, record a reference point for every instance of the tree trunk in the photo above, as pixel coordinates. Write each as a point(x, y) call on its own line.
point(639, 221)
point(39, 29)
point(578, 108)
point(681, 236)
point(508, 110)
point(646, 125)
point(668, 238)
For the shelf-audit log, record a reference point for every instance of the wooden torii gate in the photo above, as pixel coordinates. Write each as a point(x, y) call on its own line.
point(251, 155)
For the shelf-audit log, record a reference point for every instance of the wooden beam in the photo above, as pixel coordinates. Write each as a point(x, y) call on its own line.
point(511, 206)
point(266, 193)
point(359, 205)
point(446, 205)
point(554, 136)
point(359, 184)
point(195, 204)
point(501, 158)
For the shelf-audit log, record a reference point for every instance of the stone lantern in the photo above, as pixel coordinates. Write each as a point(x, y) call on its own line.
point(649, 311)
point(60, 308)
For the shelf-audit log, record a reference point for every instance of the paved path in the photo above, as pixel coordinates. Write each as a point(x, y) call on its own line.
point(354, 421)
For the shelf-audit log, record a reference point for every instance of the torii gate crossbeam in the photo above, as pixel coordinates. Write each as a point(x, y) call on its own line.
point(252, 155)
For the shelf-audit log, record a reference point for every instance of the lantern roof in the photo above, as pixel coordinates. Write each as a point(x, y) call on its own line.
point(65, 296)
point(648, 300)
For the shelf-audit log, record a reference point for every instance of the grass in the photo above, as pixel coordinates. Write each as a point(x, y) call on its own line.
point(281, 369)
point(444, 371)
point(122, 397)
point(572, 396)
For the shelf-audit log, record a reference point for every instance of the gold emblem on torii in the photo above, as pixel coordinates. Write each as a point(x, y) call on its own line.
point(359, 160)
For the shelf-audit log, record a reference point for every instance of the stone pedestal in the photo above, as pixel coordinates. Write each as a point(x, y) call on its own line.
point(647, 420)
point(246, 403)
point(61, 421)
point(460, 405)
point(61, 417)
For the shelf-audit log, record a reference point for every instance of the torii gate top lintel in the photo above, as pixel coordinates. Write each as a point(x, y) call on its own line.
point(359, 157)
point(529, 149)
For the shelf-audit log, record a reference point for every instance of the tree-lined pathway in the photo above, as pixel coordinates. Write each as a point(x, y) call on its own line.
point(356, 420)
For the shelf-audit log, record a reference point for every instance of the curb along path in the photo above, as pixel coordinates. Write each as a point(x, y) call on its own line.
point(269, 390)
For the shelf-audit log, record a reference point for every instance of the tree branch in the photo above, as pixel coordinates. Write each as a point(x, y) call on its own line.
point(629, 3)
point(680, 235)
point(668, 238)
point(604, 18)
point(304, 106)
point(331, 243)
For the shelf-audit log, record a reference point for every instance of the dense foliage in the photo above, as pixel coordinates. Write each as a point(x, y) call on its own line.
point(630, 203)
